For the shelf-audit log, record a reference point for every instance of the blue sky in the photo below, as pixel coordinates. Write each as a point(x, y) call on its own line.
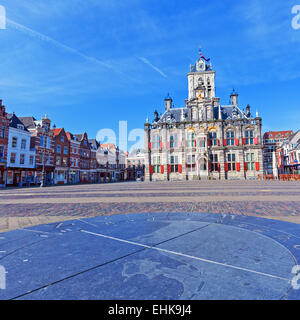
point(88, 64)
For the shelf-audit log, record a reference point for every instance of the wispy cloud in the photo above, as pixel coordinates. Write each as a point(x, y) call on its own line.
point(43, 37)
point(146, 61)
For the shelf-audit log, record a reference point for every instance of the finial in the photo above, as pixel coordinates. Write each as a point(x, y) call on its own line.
point(147, 120)
point(256, 114)
point(182, 115)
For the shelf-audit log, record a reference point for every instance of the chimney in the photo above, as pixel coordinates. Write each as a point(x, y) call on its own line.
point(234, 98)
point(168, 102)
point(156, 118)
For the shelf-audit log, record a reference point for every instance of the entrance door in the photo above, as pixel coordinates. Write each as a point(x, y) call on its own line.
point(202, 168)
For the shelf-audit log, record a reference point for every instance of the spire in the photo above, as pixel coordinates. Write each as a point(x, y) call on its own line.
point(168, 102)
point(182, 117)
point(220, 113)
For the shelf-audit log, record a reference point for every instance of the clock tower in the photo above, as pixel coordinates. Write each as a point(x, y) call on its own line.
point(201, 79)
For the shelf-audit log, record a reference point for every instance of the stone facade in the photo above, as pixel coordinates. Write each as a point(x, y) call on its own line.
point(203, 140)
point(135, 165)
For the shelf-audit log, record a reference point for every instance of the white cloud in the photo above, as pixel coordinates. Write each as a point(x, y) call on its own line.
point(147, 62)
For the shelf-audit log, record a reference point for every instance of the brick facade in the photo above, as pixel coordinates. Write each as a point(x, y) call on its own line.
point(62, 156)
point(4, 127)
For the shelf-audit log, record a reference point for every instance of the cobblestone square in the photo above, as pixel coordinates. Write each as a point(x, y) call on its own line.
point(21, 208)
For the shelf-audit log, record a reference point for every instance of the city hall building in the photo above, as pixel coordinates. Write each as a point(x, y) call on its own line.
point(203, 140)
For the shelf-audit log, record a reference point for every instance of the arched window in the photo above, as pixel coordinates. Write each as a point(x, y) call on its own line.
point(230, 135)
point(212, 138)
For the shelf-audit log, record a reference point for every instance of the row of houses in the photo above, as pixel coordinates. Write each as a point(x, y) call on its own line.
point(288, 156)
point(281, 153)
point(33, 153)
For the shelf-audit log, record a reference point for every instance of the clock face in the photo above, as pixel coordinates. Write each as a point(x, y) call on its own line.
point(201, 65)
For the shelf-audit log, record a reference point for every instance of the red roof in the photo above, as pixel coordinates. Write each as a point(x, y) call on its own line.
point(56, 131)
point(68, 136)
point(278, 134)
point(109, 146)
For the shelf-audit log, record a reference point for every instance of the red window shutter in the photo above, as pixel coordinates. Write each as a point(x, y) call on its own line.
point(238, 167)
point(245, 166)
point(219, 167)
point(150, 145)
point(256, 141)
point(226, 167)
point(151, 169)
point(208, 143)
point(209, 166)
point(244, 141)
point(218, 142)
point(180, 168)
point(237, 142)
point(224, 142)
point(162, 169)
point(257, 166)
point(169, 168)
point(195, 143)
point(161, 145)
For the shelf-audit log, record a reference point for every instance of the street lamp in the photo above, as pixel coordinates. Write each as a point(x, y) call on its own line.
point(43, 182)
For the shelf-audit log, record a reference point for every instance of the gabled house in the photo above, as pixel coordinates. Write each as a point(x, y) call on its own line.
point(62, 156)
point(20, 155)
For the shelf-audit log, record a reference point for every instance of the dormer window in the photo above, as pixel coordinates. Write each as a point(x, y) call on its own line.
point(20, 126)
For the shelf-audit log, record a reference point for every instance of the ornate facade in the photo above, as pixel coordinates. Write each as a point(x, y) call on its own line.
point(203, 140)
